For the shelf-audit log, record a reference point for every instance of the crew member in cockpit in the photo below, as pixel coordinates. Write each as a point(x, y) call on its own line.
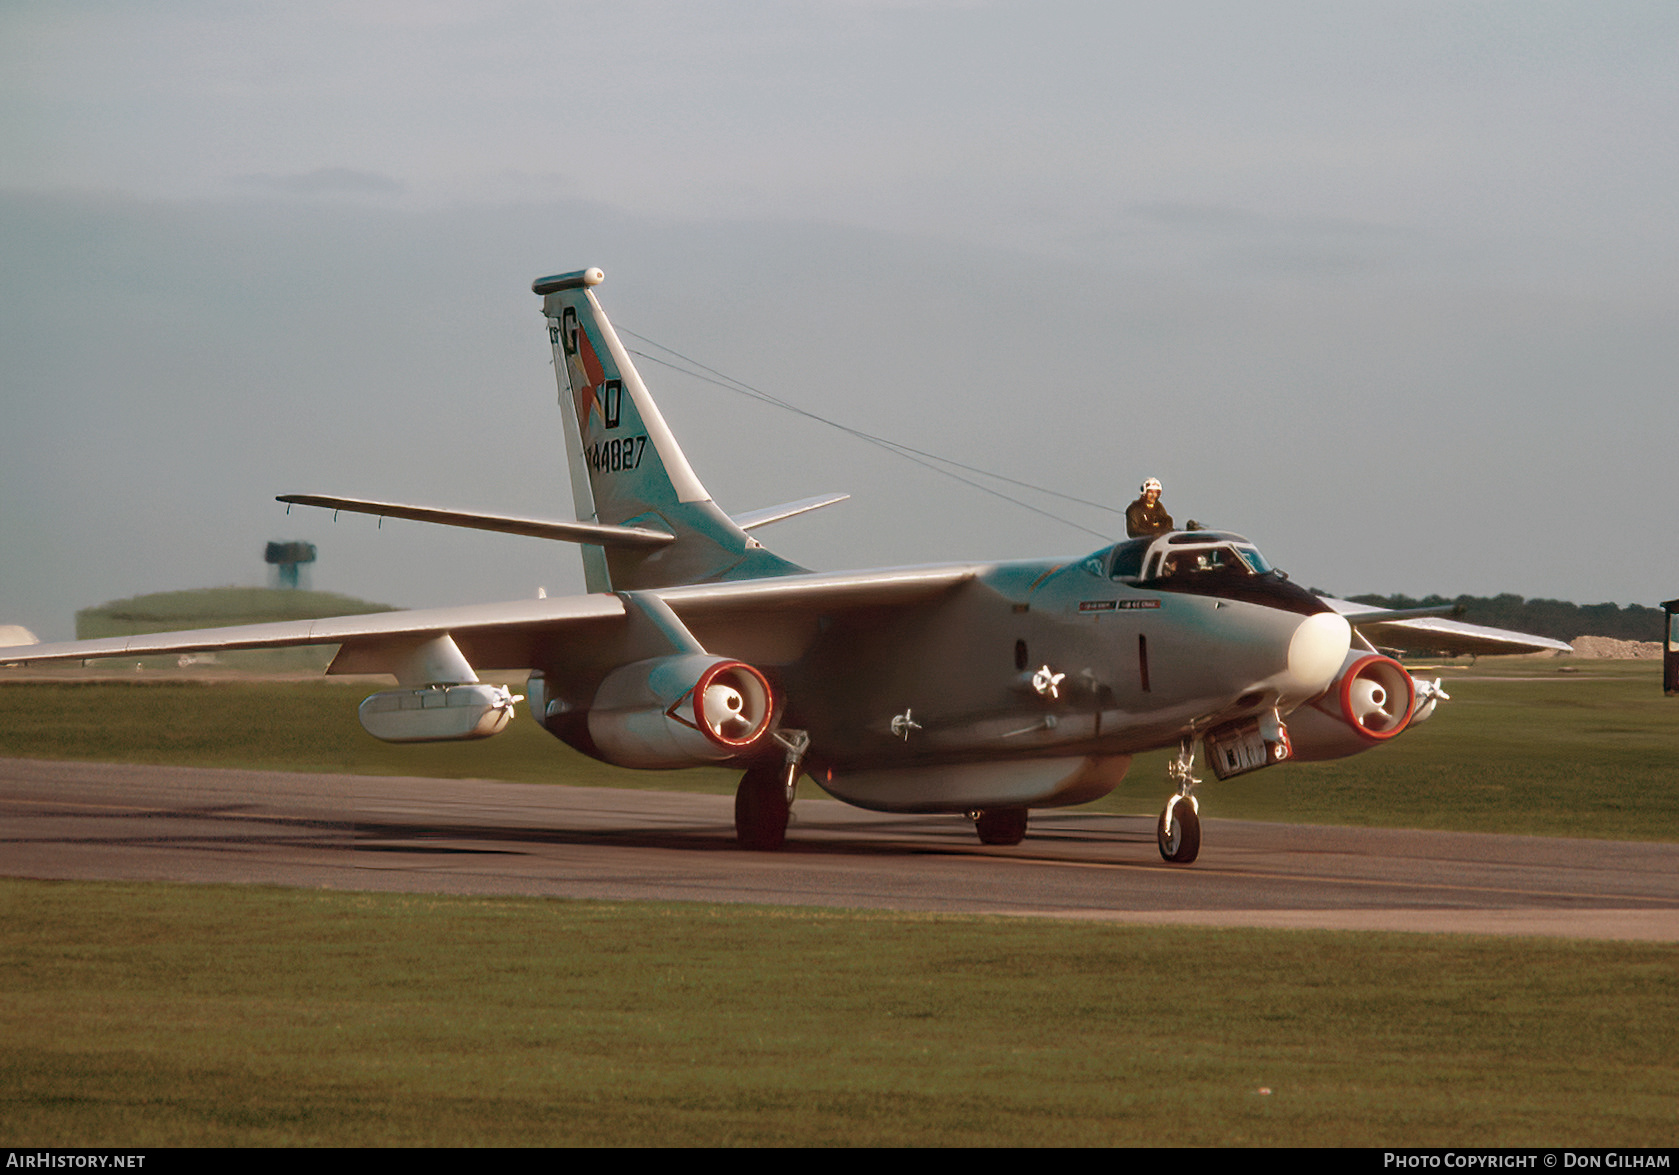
point(1146, 516)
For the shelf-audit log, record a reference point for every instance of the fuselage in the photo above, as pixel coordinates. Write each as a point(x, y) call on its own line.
point(1066, 661)
point(1027, 683)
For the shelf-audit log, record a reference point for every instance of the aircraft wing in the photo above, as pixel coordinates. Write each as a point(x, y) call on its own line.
point(328, 631)
point(519, 633)
point(1417, 632)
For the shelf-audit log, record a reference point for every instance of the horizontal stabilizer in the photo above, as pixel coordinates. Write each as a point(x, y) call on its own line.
point(756, 518)
point(597, 534)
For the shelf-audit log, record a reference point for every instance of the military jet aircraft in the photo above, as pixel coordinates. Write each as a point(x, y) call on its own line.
point(981, 688)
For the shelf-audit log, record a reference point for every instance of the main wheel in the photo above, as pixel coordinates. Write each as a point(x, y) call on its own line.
point(1179, 832)
point(761, 808)
point(1001, 826)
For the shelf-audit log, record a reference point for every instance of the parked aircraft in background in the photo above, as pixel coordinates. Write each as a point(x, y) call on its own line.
point(981, 688)
point(1670, 647)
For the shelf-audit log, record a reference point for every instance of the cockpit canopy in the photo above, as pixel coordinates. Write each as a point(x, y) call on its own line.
point(1181, 555)
point(1203, 563)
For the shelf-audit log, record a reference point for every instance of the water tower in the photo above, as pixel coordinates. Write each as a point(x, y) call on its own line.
point(288, 561)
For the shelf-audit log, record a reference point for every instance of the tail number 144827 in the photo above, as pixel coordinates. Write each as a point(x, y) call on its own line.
point(617, 454)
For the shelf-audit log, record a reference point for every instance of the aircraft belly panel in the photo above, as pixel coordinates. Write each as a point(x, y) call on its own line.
point(961, 787)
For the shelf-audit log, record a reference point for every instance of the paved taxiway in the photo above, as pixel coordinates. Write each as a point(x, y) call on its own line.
point(105, 821)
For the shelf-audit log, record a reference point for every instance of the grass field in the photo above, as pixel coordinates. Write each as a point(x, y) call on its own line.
point(1521, 747)
point(136, 1016)
point(149, 1015)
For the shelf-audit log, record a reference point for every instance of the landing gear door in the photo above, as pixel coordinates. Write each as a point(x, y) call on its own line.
point(1237, 748)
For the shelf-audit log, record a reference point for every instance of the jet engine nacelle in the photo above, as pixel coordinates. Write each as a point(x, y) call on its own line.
point(680, 711)
point(1369, 702)
point(438, 713)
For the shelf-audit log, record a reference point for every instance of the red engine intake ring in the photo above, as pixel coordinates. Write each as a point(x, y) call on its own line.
point(1383, 673)
point(766, 699)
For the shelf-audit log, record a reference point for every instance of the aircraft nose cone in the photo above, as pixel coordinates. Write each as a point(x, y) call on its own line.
point(1316, 653)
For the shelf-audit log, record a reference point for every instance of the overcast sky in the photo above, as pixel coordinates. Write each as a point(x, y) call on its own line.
point(1388, 287)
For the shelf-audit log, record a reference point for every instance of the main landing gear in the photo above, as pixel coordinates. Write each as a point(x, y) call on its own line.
point(764, 799)
point(762, 807)
point(1178, 830)
point(1000, 826)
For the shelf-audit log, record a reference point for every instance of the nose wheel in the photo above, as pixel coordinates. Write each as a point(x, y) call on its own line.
point(1179, 831)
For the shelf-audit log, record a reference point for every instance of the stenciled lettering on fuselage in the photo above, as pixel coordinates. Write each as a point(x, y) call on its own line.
point(596, 394)
point(1116, 605)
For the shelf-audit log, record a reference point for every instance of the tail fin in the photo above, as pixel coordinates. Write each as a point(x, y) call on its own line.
point(626, 467)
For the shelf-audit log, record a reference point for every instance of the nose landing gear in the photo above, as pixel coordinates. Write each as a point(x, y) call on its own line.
point(1178, 831)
